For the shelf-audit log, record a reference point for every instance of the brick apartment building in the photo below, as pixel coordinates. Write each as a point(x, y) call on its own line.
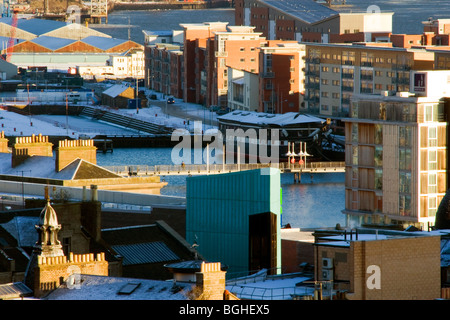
point(281, 77)
point(309, 21)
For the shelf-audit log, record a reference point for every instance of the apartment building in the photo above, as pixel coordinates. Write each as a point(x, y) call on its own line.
point(238, 49)
point(131, 64)
point(396, 153)
point(243, 90)
point(194, 66)
point(163, 68)
point(335, 72)
point(281, 68)
point(310, 21)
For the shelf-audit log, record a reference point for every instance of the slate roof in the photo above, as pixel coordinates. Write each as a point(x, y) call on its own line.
point(14, 291)
point(308, 11)
point(22, 229)
point(142, 253)
point(103, 43)
point(52, 43)
point(112, 288)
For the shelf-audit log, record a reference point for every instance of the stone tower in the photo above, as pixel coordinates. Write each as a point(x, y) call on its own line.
point(48, 266)
point(48, 244)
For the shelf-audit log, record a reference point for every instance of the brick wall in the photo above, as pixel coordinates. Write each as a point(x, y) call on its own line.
point(408, 268)
point(51, 272)
point(211, 281)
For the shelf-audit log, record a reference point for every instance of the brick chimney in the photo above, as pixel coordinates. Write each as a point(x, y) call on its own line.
point(3, 143)
point(69, 150)
point(26, 147)
point(211, 281)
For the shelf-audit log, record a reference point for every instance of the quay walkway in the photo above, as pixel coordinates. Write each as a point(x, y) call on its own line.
point(204, 169)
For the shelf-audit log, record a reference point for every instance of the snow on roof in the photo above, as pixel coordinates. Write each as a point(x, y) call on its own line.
point(37, 26)
point(52, 43)
point(260, 118)
point(103, 42)
point(115, 90)
point(19, 227)
point(118, 288)
point(260, 286)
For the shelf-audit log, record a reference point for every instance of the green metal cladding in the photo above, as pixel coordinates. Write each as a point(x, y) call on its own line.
point(218, 210)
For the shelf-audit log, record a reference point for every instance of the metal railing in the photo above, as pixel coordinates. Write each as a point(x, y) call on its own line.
point(194, 169)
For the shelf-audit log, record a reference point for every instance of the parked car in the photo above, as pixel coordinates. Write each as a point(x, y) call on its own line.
point(170, 100)
point(222, 111)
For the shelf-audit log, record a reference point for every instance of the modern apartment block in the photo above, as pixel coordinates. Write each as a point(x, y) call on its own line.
point(396, 153)
point(309, 21)
point(335, 72)
point(237, 48)
point(281, 84)
point(163, 68)
point(197, 57)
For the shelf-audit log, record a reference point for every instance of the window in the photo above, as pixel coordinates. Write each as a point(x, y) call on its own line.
point(432, 137)
point(432, 206)
point(432, 159)
point(432, 183)
point(378, 179)
point(405, 159)
point(431, 112)
point(355, 156)
point(378, 134)
point(378, 156)
point(405, 182)
point(405, 205)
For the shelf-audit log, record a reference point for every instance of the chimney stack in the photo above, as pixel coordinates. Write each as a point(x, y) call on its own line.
point(3, 143)
point(70, 150)
point(26, 147)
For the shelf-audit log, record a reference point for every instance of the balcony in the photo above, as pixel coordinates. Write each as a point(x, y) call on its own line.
point(221, 54)
point(347, 88)
point(347, 75)
point(312, 85)
point(268, 75)
point(367, 77)
point(313, 60)
point(367, 64)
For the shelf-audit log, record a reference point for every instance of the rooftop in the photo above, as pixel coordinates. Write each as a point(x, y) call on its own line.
point(115, 288)
point(308, 11)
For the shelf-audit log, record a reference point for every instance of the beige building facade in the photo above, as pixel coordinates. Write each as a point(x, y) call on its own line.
point(380, 266)
point(334, 72)
point(396, 159)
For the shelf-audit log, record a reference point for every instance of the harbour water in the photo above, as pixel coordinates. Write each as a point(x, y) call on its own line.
point(316, 202)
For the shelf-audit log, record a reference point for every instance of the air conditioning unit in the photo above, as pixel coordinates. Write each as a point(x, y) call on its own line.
point(327, 263)
point(327, 274)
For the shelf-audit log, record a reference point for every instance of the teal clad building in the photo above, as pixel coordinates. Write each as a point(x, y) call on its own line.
point(235, 219)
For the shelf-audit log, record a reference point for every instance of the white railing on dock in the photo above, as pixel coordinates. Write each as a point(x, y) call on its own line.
point(201, 169)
